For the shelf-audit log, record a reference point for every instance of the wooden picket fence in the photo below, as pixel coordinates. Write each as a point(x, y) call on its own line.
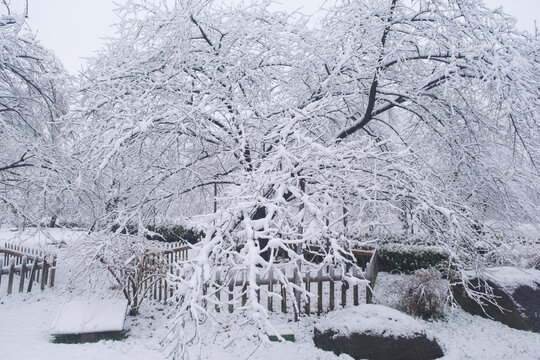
point(30, 264)
point(323, 298)
point(272, 294)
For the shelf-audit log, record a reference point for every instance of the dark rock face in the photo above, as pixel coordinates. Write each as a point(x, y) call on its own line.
point(378, 346)
point(528, 299)
point(521, 308)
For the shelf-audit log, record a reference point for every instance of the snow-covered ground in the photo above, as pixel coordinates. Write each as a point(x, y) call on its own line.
point(26, 319)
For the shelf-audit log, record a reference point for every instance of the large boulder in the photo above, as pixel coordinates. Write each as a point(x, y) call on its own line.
point(375, 332)
point(516, 292)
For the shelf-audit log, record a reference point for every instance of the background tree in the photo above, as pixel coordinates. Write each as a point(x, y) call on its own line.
point(33, 98)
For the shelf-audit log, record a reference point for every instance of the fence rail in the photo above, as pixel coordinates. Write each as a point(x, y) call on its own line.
point(34, 265)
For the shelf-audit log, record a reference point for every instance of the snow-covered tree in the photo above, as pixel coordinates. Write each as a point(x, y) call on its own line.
point(33, 98)
point(390, 112)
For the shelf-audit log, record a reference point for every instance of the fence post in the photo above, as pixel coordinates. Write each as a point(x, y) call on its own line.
point(299, 251)
point(331, 283)
point(371, 275)
point(44, 273)
point(344, 287)
point(308, 289)
point(319, 292)
point(369, 294)
point(10, 276)
point(160, 288)
point(270, 290)
point(205, 294)
point(355, 287)
point(165, 289)
point(244, 294)
point(218, 295)
point(231, 295)
point(39, 269)
point(32, 274)
point(171, 287)
point(53, 270)
point(283, 298)
point(22, 273)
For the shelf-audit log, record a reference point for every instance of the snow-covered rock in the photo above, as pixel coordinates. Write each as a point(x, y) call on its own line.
point(517, 291)
point(375, 332)
point(511, 278)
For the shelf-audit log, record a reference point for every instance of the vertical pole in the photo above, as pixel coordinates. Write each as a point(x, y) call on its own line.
point(171, 287)
point(270, 290)
point(319, 292)
point(368, 275)
point(33, 274)
point(308, 289)
point(344, 286)
point(344, 220)
point(53, 271)
point(10, 276)
point(23, 273)
point(284, 294)
point(205, 293)
point(44, 273)
point(39, 269)
point(355, 287)
point(283, 299)
point(299, 252)
point(165, 289)
point(231, 293)
point(244, 294)
point(331, 283)
point(218, 291)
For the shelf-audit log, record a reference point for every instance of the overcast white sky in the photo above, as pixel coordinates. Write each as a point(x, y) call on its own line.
point(74, 29)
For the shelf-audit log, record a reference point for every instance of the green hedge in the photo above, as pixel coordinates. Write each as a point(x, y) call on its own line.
point(409, 260)
point(166, 233)
point(175, 233)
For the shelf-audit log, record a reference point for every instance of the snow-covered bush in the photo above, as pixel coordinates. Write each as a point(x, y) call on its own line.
point(132, 264)
point(424, 294)
point(523, 253)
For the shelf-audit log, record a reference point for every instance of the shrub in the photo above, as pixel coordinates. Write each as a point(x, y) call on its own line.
point(424, 294)
point(408, 260)
point(166, 233)
point(175, 233)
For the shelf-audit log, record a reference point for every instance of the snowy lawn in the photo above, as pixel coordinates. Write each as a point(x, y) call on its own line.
point(40, 238)
point(26, 319)
point(24, 333)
